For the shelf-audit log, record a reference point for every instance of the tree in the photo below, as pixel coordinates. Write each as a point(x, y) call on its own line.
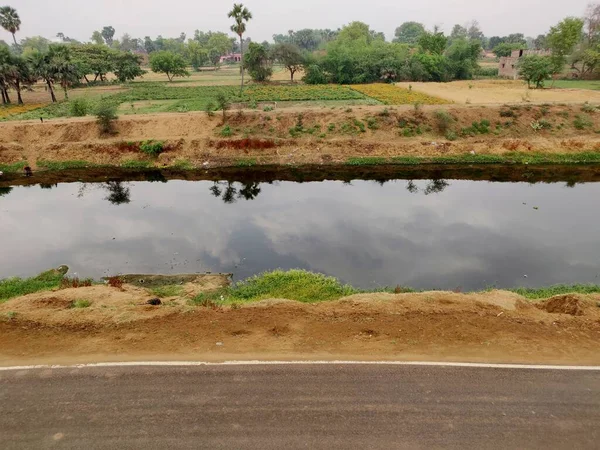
point(434, 43)
point(129, 44)
point(290, 56)
point(409, 33)
point(462, 56)
point(168, 63)
point(223, 104)
point(6, 73)
point(474, 31)
point(20, 76)
point(62, 67)
point(127, 66)
point(214, 56)
point(94, 59)
point(40, 67)
point(97, 38)
point(196, 54)
point(108, 33)
point(539, 43)
point(458, 32)
point(592, 23)
point(506, 48)
point(258, 62)
point(38, 43)
point(220, 42)
point(562, 39)
point(535, 69)
point(10, 21)
point(241, 16)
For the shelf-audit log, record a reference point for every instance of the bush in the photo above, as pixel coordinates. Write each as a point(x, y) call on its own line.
point(443, 121)
point(582, 122)
point(106, 114)
point(226, 131)
point(79, 107)
point(315, 75)
point(451, 135)
point(153, 148)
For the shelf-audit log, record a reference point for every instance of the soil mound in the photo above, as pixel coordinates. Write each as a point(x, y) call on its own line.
point(564, 304)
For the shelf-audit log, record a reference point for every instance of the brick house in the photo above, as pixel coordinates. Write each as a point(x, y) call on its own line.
point(232, 57)
point(508, 64)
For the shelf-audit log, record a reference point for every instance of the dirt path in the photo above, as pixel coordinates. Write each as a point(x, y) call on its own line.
point(495, 326)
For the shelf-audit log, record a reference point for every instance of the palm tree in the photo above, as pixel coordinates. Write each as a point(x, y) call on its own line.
point(40, 67)
point(241, 16)
point(61, 67)
point(10, 21)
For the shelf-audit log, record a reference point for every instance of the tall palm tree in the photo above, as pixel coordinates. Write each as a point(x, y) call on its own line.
point(41, 68)
point(10, 21)
point(241, 16)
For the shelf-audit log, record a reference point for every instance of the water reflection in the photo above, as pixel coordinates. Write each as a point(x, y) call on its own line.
point(230, 191)
point(468, 234)
point(5, 191)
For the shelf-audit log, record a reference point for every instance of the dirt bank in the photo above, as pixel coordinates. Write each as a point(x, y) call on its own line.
point(317, 136)
point(495, 326)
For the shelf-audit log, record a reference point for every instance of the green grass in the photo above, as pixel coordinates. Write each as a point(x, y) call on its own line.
point(299, 285)
point(14, 167)
point(81, 304)
point(182, 164)
point(366, 161)
point(249, 162)
point(65, 165)
point(171, 290)
point(133, 164)
point(559, 289)
point(15, 287)
point(577, 84)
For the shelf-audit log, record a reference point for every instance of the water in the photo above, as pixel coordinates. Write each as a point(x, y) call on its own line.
point(423, 234)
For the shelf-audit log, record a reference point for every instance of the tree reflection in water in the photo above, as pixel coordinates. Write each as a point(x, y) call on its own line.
point(118, 193)
point(230, 191)
point(433, 187)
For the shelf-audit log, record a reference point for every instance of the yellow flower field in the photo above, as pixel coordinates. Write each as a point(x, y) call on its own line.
point(392, 95)
point(10, 110)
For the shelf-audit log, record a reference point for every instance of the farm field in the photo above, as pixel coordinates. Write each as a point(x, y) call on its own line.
point(593, 85)
point(500, 91)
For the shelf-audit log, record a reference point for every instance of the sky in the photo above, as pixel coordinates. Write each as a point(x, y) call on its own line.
point(142, 18)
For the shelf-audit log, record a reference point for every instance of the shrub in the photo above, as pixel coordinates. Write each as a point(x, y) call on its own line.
point(582, 122)
point(153, 148)
point(451, 135)
point(106, 114)
point(443, 121)
point(223, 104)
point(81, 304)
point(210, 109)
point(79, 107)
point(226, 131)
point(587, 108)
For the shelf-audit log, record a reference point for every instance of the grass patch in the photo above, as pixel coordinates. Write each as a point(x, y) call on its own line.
point(134, 164)
point(16, 287)
point(246, 162)
point(65, 165)
point(299, 285)
point(559, 289)
point(152, 148)
point(81, 304)
point(182, 164)
point(170, 290)
point(13, 167)
point(366, 161)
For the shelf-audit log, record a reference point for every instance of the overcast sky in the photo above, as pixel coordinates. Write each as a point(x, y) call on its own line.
point(140, 18)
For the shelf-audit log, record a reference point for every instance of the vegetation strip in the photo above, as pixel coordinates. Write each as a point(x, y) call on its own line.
point(299, 285)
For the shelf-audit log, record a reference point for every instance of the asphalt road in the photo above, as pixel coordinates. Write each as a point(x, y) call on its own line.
point(299, 406)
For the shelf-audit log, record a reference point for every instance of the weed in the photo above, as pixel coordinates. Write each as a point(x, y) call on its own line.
point(182, 164)
point(507, 113)
point(544, 110)
point(443, 121)
point(385, 113)
point(372, 123)
point(16, 287)
point(115, 282)
point(10, 315)
point(209, 108)
point(561, 289)
point(361, 126)
point(245, 162)
point(331, 127)
point(252, 104)
point(106, 115)
point(587, 108)
point(81, 303)
point(64, 165)
point(365, 161)
point(226, 131)
point(152, 148)
point(417, 106)
point(268, 109)
point(564, 114)
point(582, 122)
point(451, 135)
point(75, 283)
point(348, 110)
point(172, 290)
point(79, 107)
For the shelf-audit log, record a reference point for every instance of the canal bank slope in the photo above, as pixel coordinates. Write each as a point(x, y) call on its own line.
point(364, 135)
point(117, 324)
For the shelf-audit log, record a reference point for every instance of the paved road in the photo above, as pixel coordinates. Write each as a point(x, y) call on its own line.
point(299, 406)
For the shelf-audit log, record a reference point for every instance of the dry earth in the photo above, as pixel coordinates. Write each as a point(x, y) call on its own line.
point(195, 138)
point(496, 326)
point(501, 91)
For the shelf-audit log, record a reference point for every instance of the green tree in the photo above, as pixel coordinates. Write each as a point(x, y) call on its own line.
point(214, 56)
point(562, 39)
point(474, 32)
point(459, 32)
point(196, 54)
point(506, 48)
point(97, 38)
point(535, 69)
point(39, 64)
point(38, 43)
point(168, 63)
point(20, 76)
point(220, 42)
point(540, 42)
point(290, 56)
point(63, 69)
point(462, 56)
point(258, 62)
point(7, 70)
point(10, 21)
point(108, 33)
point(223, 103)
point(434, 43)
point(409, 33)
point(94, 59)
point(127, 66)
point(241, 16)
